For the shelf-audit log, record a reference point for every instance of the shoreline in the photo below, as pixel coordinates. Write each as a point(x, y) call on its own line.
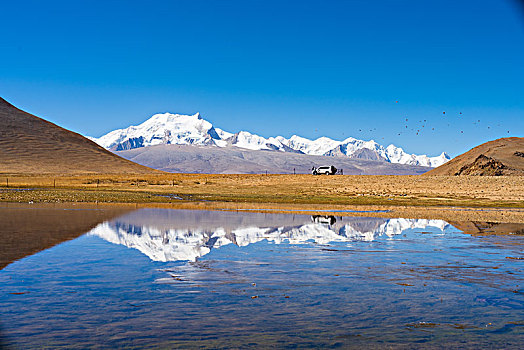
point(468, 198)
point(445, 213)
point(47, 224)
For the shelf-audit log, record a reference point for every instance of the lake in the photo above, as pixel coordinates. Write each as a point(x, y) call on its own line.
point(163, 278)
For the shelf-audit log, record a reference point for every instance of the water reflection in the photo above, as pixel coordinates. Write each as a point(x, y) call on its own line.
point(324, 219)
point(27, 229)
point(167, 235)
point(482, 228)
point(346, 283)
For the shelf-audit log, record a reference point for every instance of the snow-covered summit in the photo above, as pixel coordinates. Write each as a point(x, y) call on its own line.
point(167, 128)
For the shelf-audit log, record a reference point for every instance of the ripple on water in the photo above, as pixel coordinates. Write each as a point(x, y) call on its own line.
point(165, 278)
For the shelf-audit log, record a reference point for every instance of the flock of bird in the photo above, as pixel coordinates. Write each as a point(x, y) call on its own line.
point(423, 125)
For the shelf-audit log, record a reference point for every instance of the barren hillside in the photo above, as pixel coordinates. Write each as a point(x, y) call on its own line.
point(499, 157)
point(234, 160)
point(29, 144)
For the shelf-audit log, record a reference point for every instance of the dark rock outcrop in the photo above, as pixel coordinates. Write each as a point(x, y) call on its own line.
point(368, 154)
point(129, 144)
point(483, 166)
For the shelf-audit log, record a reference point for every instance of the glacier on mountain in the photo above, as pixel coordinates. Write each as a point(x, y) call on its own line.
point(167, 128)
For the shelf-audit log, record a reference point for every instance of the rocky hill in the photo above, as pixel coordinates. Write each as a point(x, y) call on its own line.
point(503, 156)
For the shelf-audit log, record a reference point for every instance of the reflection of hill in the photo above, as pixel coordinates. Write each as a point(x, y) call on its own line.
point(475, 227)
point(28, 229)
point(168, 235)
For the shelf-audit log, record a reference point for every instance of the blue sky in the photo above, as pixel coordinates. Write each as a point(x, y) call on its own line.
point(312, 68)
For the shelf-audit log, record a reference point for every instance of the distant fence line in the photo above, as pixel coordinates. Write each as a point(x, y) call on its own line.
point(339, 172)
point(7, 182)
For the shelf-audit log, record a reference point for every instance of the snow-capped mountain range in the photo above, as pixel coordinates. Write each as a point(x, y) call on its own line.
point(167, 128)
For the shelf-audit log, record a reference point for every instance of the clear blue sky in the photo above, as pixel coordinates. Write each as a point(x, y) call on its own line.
point(312, 68)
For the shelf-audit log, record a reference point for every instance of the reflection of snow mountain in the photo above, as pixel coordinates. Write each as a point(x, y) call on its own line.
point(187, 235)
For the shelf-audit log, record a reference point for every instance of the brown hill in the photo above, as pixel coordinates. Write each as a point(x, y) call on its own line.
point(494, 158)
point(29, 145)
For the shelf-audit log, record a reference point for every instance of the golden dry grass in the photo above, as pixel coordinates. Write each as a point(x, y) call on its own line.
point(306, 189)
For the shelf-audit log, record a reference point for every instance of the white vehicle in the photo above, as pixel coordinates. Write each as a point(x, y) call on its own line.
point(324, 170)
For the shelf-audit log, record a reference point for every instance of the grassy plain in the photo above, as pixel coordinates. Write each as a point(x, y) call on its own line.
point(419, 194)
point(474, 191)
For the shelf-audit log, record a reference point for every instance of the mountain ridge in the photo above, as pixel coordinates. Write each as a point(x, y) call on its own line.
point(179, 129)
point(236, 160)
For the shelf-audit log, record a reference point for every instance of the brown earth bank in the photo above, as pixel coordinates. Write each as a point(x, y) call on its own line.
point(29, 144)
point(481, 217)
point(503, 156)
point(486, 216)
point(27, 229)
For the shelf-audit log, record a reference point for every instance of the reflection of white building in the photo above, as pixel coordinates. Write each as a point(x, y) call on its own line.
point(186, 235)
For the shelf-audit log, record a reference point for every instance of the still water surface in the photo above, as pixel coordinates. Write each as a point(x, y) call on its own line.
point(159, 278)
